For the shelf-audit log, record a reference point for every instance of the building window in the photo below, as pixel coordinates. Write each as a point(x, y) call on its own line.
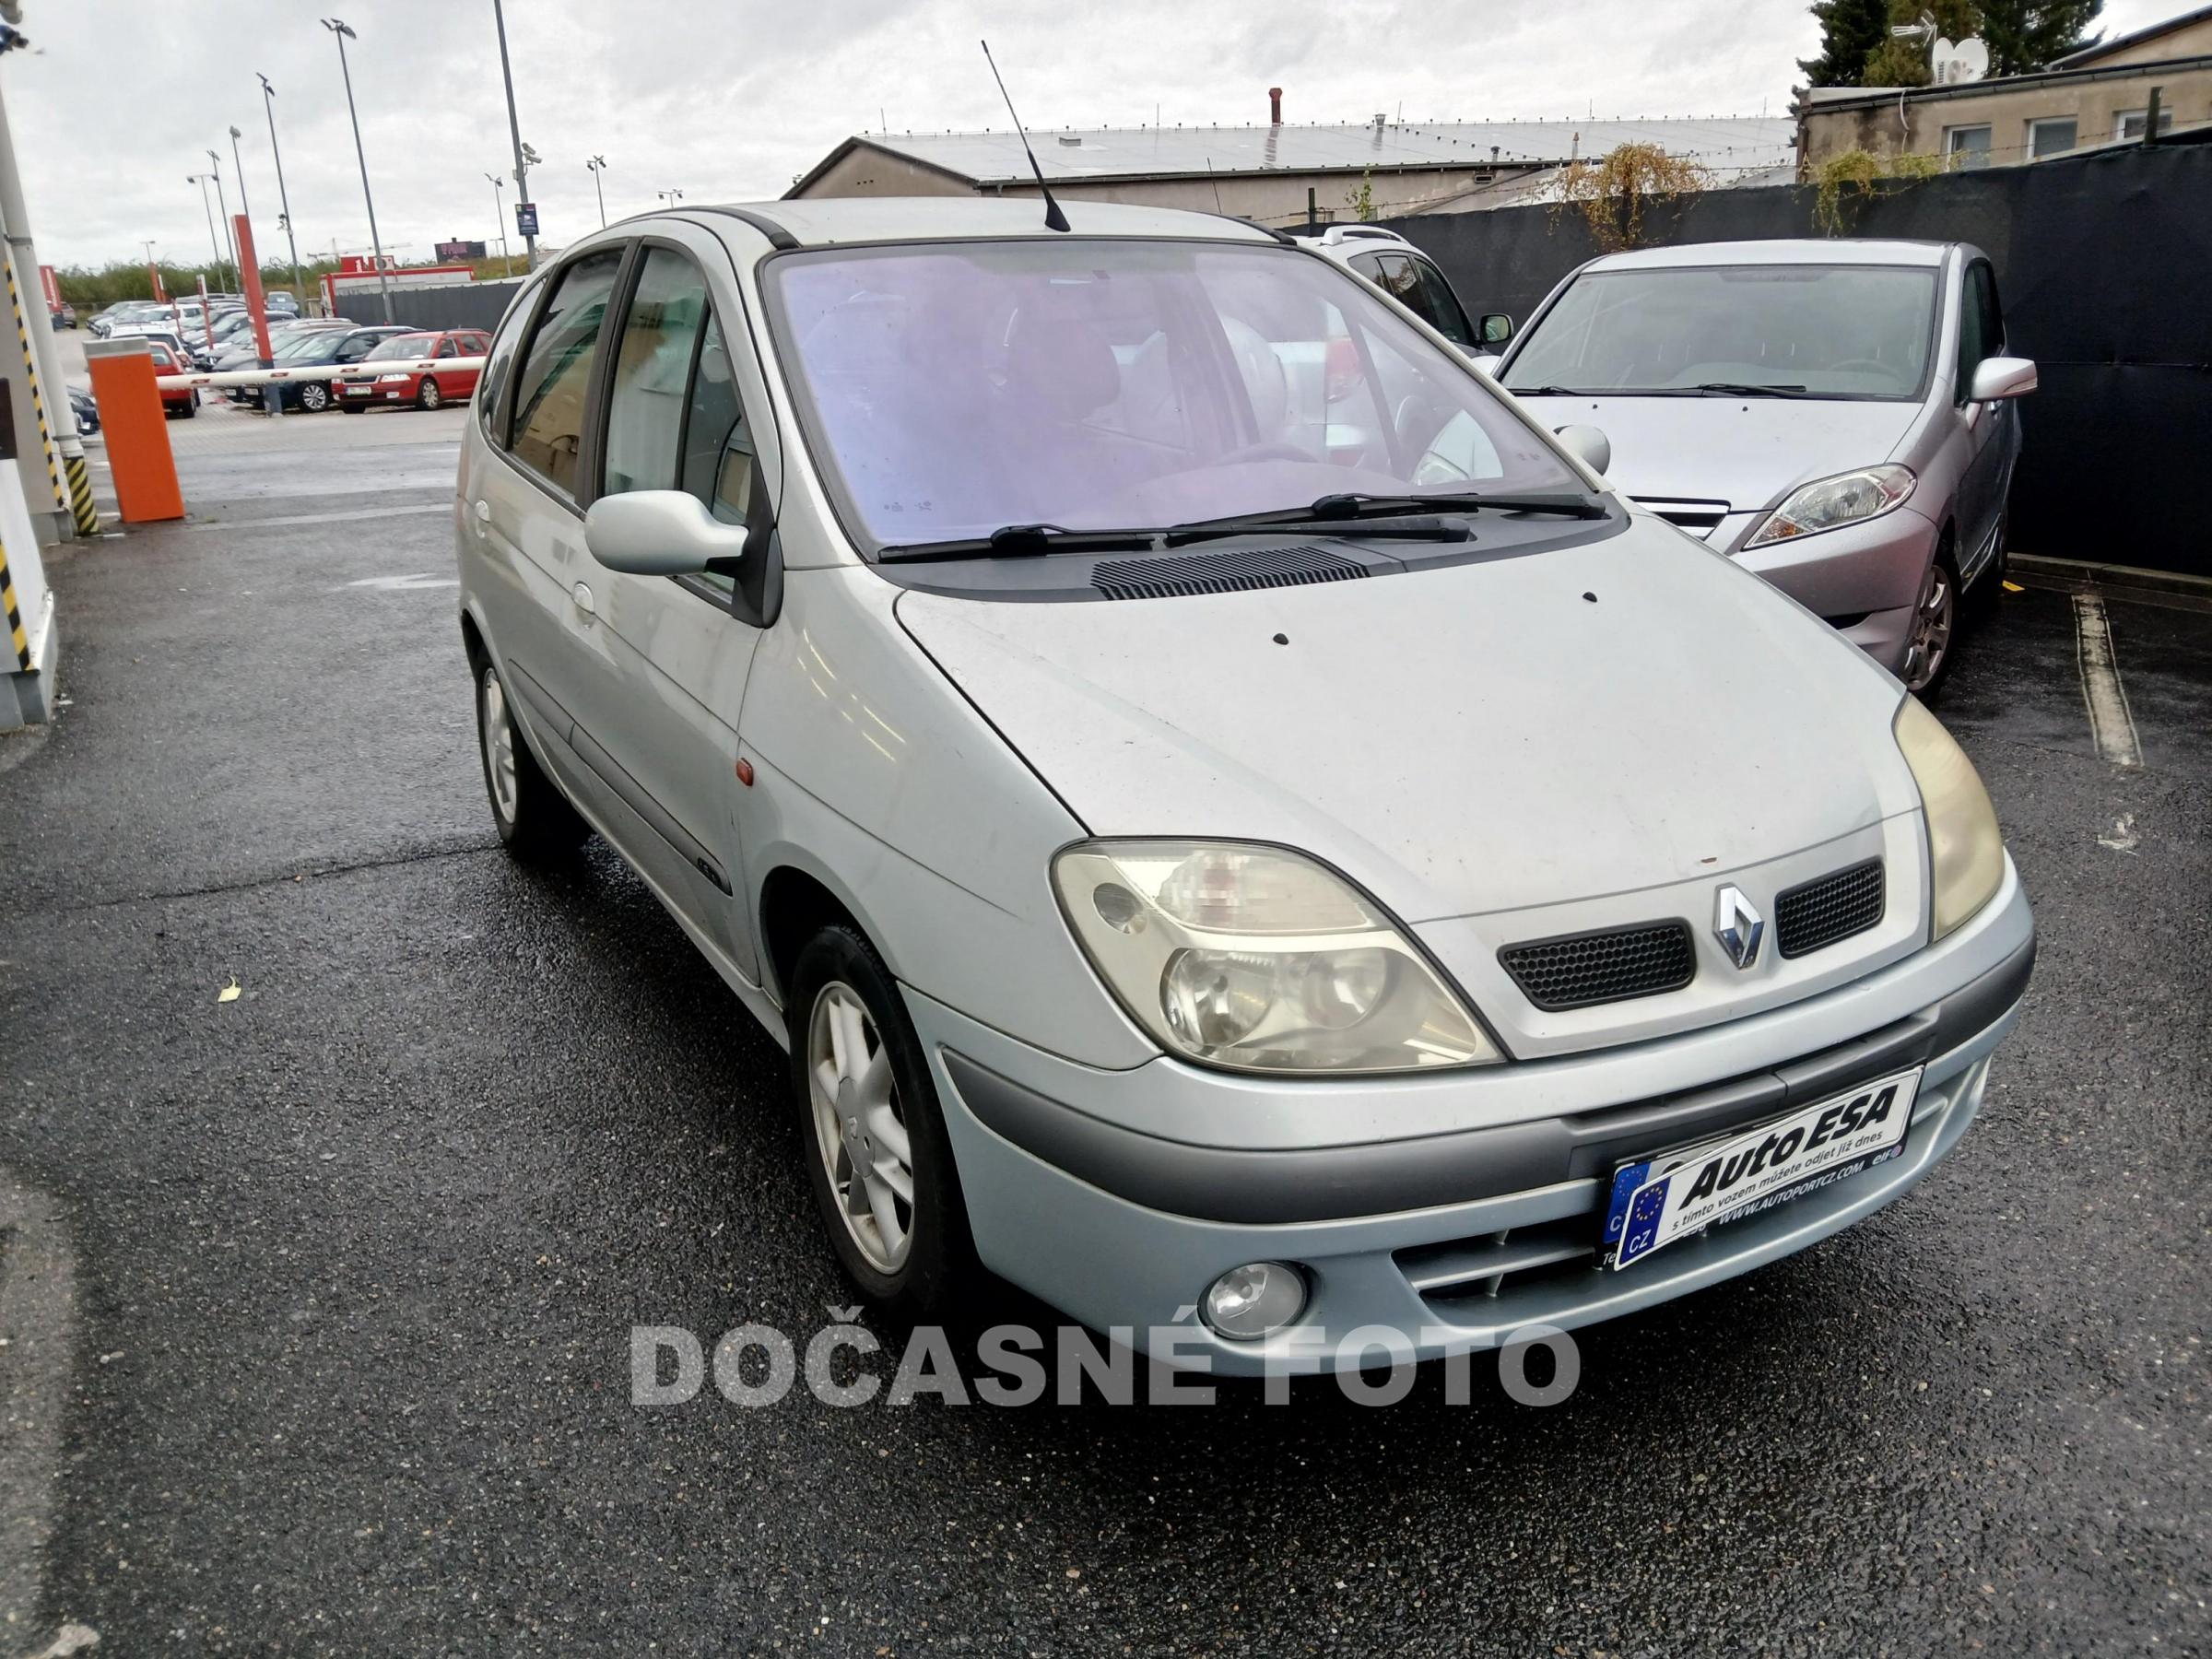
point(2052, 137)
point(1966, 147)
point(2131, 122)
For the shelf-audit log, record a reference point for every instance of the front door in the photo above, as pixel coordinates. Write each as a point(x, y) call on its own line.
point(666, 671)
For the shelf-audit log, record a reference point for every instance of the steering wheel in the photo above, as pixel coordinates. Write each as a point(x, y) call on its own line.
point(1269, 449)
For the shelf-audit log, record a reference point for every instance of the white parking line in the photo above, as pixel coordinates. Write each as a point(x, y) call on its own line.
point(2111, 722)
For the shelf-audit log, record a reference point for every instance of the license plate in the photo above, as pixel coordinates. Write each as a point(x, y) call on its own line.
point(1672, 1195)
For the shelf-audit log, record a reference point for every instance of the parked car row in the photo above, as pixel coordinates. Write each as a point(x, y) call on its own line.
point(1378, 875)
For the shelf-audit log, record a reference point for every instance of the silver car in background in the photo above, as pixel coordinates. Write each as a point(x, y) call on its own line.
point(1835, 416)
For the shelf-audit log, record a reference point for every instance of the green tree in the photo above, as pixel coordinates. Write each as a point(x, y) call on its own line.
point(1850, 30)
point(2026, 35)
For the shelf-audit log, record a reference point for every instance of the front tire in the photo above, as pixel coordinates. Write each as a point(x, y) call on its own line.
point(877, 1152)
point(534, 818)
point(429, 397)
point(1932, 637)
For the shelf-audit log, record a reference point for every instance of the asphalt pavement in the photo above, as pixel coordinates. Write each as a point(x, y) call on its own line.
point(349, 1264)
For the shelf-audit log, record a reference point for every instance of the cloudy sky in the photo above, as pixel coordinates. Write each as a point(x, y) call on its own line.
point(729, 100)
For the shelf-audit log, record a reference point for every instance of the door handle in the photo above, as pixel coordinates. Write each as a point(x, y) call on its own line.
point(582, 597)
point(483, 518)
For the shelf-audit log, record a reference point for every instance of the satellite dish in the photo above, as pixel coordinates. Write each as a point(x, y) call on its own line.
point(1949, 63)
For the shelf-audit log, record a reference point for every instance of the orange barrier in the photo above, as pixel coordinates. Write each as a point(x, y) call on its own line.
point(136, 430)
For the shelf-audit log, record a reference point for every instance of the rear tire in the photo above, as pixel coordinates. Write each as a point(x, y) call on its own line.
point(870, 1124)
point(315, 397)
point(534, 818)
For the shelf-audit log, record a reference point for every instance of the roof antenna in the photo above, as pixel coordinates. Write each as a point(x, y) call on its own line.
point(1054, 218)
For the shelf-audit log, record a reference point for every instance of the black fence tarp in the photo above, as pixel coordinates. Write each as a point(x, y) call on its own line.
point(458, 305)
point(2104, 267)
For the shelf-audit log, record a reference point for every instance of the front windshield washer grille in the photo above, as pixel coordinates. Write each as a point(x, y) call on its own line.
point(1614, 965)
point(1186, 573)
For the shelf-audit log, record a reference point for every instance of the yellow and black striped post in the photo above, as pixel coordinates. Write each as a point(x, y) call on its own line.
point(78, 492)
point(19, 640)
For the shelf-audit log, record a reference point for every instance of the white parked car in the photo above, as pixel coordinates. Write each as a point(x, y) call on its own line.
point(1321, 873)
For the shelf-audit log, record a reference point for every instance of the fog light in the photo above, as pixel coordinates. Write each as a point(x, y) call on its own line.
point(1255, 1301)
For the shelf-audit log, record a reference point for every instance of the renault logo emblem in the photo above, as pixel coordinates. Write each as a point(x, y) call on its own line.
point(1737, 927)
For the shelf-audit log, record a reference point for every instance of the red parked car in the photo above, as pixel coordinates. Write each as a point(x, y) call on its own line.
point(426, 388)
point(179, 402)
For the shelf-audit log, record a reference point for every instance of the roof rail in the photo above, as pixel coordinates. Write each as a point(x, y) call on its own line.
point(778, 238)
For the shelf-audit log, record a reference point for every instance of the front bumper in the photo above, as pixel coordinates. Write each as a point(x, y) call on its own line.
point(1862, 579)
point(1454, 1239)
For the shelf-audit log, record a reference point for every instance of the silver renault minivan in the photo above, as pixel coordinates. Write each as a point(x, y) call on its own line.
point(1839, 416)
point(1240, 831)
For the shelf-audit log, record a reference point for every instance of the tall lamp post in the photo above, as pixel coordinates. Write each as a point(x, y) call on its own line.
point(215, 163)
point(514, 134)
point(238, 167)
point(596, 166)
point(214, 242)
point(498, 218)
point(670, 196)
point(268, 103)
point(376, 247)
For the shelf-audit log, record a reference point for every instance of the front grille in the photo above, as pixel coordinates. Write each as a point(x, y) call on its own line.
point(1220, 573)
point(1613, 966)
point(1700, 519)
point(1817, 913)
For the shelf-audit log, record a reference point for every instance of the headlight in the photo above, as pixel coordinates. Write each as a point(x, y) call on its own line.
point(1261, 959)
point(397, 376)
point(1846, 499)
point(1966, 851)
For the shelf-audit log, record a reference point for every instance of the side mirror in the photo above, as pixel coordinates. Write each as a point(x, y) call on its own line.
point(2001, 377)
point(1496, 328)
point(1588, 445)
point(659, 533)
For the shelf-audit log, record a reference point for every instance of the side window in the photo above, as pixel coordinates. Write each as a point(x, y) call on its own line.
point(1981, 330)
point(360, 347)
point(447, 348)
point(557, 367)
point(1443, 310)
point(652, 374)
point(500, 359)
point(718, 449)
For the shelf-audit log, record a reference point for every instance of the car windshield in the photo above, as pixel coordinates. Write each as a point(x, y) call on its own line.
point(1822, 331)
point(404, 345)
point(318, 347)
point(956, 389)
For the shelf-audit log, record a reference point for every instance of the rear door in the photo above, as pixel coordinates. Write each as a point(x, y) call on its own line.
point(669, 658)
point(522, 505)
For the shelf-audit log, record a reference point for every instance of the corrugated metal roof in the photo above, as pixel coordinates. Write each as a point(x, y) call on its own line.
point(1726, 144)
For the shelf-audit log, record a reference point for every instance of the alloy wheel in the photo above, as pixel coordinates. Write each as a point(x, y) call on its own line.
point(430, 396)
point(859, 1130)
point(499, 747)
point(1932, 619)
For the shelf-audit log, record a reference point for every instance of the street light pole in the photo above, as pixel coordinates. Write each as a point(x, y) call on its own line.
point(596, 166)
point(670, 196)
point(514, 134)
point(499, 219)
point(238, 167)
point(216, 162)
point(376, 247)
point(214, 242)
point(268, 103)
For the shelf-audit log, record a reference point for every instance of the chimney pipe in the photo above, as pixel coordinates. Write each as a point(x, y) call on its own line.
point(1275, 106)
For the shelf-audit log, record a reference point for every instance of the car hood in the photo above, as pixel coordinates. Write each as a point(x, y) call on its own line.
point(1746, 452)
point(1475, 737)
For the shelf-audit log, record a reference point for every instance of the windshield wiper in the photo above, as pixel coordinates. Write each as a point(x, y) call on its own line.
point(1349, 506)
point(1023, 541)
point(1554, 391)
point(1394, 528)
point(1719, 389)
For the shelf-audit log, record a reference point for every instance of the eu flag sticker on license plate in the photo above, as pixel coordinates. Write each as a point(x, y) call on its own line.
point(1674, 1194)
